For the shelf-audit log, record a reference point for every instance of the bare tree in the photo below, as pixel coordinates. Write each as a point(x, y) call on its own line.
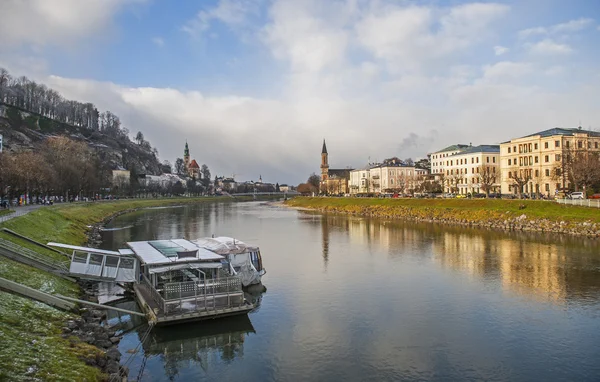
point(581, 167)
point(487, 179)
point(519, 178)
point(179, 167)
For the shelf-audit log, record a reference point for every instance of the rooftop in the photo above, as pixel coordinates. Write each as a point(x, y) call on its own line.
point(568, 131)
point(452, 148)
point(166, 251)
point(480, 149)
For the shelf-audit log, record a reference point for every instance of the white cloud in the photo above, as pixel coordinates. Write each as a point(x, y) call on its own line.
point(567, 27)
point(506, 71)
point(59, 22)
point(230, 12)
point(549, 47)
point(158, 41)
point(500, 50)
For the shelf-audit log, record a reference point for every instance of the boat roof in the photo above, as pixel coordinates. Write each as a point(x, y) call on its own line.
point(166, 251)
point(224, 245)
point(86, 249)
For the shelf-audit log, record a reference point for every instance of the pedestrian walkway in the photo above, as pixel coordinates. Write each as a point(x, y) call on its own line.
point(20, 211)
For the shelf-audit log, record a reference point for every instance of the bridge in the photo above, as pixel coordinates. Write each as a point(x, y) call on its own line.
point(282, 194)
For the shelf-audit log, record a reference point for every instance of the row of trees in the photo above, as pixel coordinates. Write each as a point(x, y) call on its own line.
point(59, 167)
point(28, 95)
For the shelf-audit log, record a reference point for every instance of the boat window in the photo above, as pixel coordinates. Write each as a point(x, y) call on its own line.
point(96, 259)
point(126, 263)
point(112, 261)
point(80, 257)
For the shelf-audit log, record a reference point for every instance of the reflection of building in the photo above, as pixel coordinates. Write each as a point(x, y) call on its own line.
point(203, 345)
point(537, 159)
point(333, 181)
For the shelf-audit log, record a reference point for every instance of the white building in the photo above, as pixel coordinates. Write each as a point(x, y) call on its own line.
point(472, 170)
point(384, 178)
point(439, 159)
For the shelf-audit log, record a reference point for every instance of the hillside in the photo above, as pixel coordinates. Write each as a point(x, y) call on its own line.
point(23, 131)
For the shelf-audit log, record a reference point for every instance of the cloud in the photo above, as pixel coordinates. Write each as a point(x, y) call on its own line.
point(229, 12)
point(58, 22)
point(568, 27)
point(506, 71)
point(158, 41)
point(408, 35)
point(500, 50)
point(549, 47)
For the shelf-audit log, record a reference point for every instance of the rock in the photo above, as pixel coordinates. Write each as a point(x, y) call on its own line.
point(103, 343)
point(112, 367)
point(66, 330)
point(115, 340)
point(113, 353)
point(72, 325)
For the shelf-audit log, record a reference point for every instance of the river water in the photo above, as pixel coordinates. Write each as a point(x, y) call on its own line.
point(356, 299)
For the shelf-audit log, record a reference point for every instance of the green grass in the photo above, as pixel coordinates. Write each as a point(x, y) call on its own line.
point(468, 209)
point(6, 212)
point(31, 345)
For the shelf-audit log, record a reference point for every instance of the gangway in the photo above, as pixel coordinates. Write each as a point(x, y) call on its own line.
point(26, 256)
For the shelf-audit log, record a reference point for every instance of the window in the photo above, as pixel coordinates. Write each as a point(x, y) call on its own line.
point(487, 159)
point(509, 162)
point(391, 181)
point(579, 144)
point(596, 145)
point(494, 169)
point(472, 170)
point(536, 159)
point(557, 144)
point(589, 145)
point(558, 172)
point(537, 173)
point(515, 149)
point(520, 149)
point(510, 175)
point(547, 187)
point(478, 170)
point(547, 172)
point(472, 160)
point(520, 161)
point(477, 159)
point(530, 147)
point(557, 158)
point(509, 150)
point(567, 143)
point(545, 145)
point(494, 159)
point(535, 146)
point(546, 158)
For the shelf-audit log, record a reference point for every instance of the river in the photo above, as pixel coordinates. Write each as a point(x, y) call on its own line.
point(354, 299)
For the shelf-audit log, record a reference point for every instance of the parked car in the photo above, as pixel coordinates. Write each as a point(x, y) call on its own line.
point(4, 203)
point(577, 195)
point(461, 196)
point(595, 196)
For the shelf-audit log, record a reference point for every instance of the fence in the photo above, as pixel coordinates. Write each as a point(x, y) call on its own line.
point(153, 292)
point(595, 203)
point(209, 295)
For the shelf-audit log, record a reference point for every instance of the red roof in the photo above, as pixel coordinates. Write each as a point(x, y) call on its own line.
point(194, 164)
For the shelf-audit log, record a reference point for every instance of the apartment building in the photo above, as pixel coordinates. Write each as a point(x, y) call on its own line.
point(385, 178)
point(473, 170)
point(535, 164)
point(438, 158)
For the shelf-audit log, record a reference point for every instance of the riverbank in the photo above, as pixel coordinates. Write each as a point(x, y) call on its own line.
point(518, 215)
point(37, 341)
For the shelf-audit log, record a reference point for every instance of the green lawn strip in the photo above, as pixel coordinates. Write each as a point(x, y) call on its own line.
point(472, 210)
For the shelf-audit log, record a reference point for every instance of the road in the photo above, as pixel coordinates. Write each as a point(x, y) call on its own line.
point(20, 211)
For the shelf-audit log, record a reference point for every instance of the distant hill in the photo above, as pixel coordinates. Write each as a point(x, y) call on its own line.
point(23, 130)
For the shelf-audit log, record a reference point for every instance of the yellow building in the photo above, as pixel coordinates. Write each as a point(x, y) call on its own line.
point(536, 162)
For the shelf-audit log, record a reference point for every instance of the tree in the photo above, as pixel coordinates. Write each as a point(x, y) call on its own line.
point(314, 180)
point(205, 172)
point(166, 167)
point(306, 188)
point(519, 178)
point(423, 164)
point(582, 167)
point(179, 167)
point(139, 137)
point(487, 179)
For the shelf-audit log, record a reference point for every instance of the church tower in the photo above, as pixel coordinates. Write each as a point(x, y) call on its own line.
point(186, 157)
point(324, 163)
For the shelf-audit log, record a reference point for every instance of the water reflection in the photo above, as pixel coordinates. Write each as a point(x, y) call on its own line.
point(553, 268)
point(198, 345)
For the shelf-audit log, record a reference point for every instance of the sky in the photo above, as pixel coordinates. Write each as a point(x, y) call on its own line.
point(254, 86)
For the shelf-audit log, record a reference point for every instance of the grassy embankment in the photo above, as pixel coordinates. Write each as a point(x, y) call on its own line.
point(6, 212)
point(469, 210)
point(31, 346)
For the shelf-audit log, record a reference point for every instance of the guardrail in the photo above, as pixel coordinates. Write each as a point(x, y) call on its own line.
point(194, 296)
point(594, 203)
point(41, 259)
point(158, 299)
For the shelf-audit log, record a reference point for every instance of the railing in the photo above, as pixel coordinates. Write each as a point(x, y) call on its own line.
point(49, 262)
point(154, 293)
point(580, 202)
point(196, 296)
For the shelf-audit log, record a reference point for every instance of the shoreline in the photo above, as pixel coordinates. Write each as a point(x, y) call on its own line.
point(510, 220)
point(86, 349)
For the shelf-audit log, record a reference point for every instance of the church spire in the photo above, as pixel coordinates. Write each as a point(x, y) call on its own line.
point(324, 151)
point(186, 152)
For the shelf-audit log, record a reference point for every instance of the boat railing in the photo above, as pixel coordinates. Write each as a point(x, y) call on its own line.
point(205, 295)
point(158, 299)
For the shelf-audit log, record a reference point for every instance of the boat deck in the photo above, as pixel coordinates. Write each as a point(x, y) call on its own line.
point(190, 309)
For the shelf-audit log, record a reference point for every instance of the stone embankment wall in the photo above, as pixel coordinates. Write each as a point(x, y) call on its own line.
point(479, 218)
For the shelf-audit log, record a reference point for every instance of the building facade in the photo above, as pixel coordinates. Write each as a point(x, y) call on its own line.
point(535, 164)
point(385, 178)
point(473, 170)
point(333, 181)
point(438, 159)
point(191, 166)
